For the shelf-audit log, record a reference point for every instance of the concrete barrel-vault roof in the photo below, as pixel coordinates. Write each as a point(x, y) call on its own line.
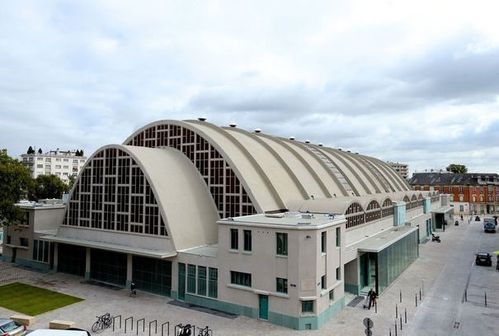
point(278, 172)
point(184, 201)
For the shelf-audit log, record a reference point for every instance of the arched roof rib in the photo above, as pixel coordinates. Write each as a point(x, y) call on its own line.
point(322, 172)
point(382, 175)
point(363, 169)
point(278, 172)
point(312, 182)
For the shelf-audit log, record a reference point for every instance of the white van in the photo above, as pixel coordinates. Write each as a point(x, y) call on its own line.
point(57, 332)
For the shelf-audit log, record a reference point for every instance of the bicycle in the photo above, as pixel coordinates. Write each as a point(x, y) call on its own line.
point(103, 322)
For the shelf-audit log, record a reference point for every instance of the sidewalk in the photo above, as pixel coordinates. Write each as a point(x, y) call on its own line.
point(421, 275)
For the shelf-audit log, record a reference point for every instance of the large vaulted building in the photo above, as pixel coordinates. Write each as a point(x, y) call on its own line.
point(244, 222)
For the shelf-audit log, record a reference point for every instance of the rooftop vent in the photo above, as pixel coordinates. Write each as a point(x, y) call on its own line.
point(320, 144)
point(202, 119)
point(233, 125)
point(307, 141)
point(348, 151)
point(340, 149)
point(291, 138)
point(257, 130)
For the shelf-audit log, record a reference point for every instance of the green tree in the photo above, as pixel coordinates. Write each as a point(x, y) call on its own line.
point(47, 186)
point(30, 150)
point(40, 151)
point(72, 180)
point(15, 181)
point(457, 168)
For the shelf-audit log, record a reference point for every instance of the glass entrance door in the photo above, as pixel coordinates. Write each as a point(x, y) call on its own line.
point(181, 281)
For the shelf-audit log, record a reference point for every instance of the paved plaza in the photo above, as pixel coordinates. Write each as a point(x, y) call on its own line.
point(442, 273)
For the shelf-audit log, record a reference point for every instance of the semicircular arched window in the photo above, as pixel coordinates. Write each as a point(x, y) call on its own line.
point(354, 215)
point(373, 211)
point(387, 208)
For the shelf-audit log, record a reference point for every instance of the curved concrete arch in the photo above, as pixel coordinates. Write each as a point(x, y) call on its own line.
point(356, 182)
point(383, 181)
point(386, 173)
point(198, 227)
point(369, 176)
point(315, 183)
point(309, 150)
point(278, 172)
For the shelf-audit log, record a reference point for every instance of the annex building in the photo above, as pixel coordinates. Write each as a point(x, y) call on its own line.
point(244, 222)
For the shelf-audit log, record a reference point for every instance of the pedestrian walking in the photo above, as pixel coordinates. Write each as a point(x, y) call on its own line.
point(374, 295)
point(370, 298)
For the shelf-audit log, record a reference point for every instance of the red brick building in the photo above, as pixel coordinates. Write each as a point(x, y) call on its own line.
point(471, 193)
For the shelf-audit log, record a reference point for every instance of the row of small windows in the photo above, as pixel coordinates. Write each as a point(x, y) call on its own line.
point(355, 214)
point(112, 193)
point(41, 250)
point(228, 194)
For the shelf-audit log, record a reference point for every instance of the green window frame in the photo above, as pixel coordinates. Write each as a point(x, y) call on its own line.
point(281, 285)
point(247, 244)
point(240, 278)
point(338, 237)
point(281, 243)
point(213, 282)
point(202, 280)
point(307, 306)
point(234, 239)
point(191, 279)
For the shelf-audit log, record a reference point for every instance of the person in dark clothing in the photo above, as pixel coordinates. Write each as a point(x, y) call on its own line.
point(132, 289)
point(372, 300)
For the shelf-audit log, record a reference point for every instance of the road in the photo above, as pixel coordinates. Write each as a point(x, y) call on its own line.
point(445, 310)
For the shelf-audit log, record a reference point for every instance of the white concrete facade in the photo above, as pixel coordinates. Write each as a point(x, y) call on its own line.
point(63, 164)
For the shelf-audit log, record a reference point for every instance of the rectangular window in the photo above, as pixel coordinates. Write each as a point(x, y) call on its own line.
point(331, 295)
point(281, 243)
point(338, 273)
point(24, 242)
point(338, 237)
point(247, 240)
point(323, 242)
point(240, 278)
point(191, 279)
point(234, 239)
point(307, 306)
point(201, 280)
point(323, 282)
point(213, 282)
point(281, 285)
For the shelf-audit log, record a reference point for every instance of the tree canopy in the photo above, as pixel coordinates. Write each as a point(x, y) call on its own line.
point(15, 181)
point(30, 150)
point(40, 151)
point(47, 186)
point(457, 168)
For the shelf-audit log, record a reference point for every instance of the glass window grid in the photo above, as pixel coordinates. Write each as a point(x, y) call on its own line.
point(213, 282)
point(41, 250)
point(202, 280)
point(230, 197)
point(234, 239)
point(324, 242)
point(338, 237)
point(115, 197)
point(240, 278)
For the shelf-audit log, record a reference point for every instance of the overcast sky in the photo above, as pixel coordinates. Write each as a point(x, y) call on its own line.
point(408, 81)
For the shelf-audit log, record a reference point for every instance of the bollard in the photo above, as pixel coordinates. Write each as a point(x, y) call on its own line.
point(485, 299)
point(375, 307)
point(405, 314)
point(400, 296)
point(390, 332)
point(420, 295)
point(396, 311)
point(416, 299)
point(401, 323)
point(395, 327)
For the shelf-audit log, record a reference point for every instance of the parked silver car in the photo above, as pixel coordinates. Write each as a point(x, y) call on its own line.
point(11, 328)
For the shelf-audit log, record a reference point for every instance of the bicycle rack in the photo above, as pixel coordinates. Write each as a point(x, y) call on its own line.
point(206, 331)
point(114, 318)
point(143, 320)
point(155, 327)
point(167, 329)
point(131, 325)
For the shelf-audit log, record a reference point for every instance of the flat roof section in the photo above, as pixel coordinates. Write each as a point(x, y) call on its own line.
point(291, 220)
point(205, 251)
point(112, 247)
point(382, 240)
point(443, 210)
